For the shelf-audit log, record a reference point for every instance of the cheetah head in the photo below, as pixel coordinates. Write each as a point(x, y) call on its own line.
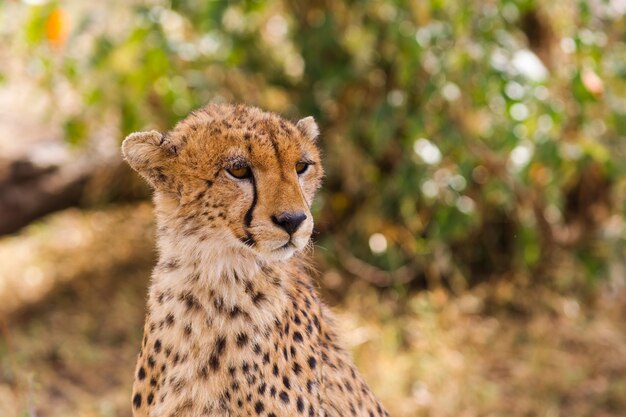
point(235, 176)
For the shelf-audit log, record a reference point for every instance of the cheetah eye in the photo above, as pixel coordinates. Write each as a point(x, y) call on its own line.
point(301, 167)
point(240, 172)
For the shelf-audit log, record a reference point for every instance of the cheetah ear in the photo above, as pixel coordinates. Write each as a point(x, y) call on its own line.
point(148, 154)
point(308, 127)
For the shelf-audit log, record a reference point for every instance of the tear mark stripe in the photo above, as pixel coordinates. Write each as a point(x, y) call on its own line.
point(247, 219)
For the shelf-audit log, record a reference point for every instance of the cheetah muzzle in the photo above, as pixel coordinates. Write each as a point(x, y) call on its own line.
point(234, 326)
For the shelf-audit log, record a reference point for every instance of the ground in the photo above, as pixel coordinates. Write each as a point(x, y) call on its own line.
point(72, 297)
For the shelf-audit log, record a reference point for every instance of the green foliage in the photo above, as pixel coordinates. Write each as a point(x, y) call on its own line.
point(477, 138)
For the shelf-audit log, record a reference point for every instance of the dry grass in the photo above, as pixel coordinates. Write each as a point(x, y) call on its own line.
point(497, 350)
point(442, 356)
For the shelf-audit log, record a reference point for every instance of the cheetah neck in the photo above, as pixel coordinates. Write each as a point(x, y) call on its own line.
point(203, 274)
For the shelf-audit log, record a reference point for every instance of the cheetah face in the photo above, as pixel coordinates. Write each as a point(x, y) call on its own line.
point(234, 174)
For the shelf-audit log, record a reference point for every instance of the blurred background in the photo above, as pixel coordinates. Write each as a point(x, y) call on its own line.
point(470, 231)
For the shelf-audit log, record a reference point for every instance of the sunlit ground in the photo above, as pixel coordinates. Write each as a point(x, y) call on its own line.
point(75, 317)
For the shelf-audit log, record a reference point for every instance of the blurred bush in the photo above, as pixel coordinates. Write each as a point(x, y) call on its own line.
point(462, 140)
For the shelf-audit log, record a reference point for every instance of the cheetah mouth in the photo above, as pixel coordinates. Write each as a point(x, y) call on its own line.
point(285, 248)
point(288, 245)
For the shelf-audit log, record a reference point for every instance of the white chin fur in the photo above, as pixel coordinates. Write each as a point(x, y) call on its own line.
point(280, 254)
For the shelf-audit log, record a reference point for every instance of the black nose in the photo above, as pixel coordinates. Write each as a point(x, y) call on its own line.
point(289, 221)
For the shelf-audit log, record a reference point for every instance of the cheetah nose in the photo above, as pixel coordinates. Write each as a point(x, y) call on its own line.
point(289, 221)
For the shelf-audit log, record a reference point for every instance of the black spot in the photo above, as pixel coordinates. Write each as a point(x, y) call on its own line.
point(271, 415)
point(220, 344)
point(249, 288)
point(137, 400)
point(272, 391)
point(258, 297)
point(266, 358)
point(275, 370)
point(297, 368)
point(171, 264)
point(157, 346)
point(191, 302)
point(214, 362)
point(297, 336)
point(258, 407)
point(284, 397)
point(262, 388)
point(300, 404)
point(209, 183)
point(150, 398)
point(234, 312)
point(151, 361)
point(256, 348)
point(169, 319)
point(312, 362)
point(153, 382)
point(242, 339)
point(159, 176)
point(286, 382)
point(219, 304)
point(141, 374)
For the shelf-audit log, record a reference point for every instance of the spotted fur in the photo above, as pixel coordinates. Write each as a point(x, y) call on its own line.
point(234, 325)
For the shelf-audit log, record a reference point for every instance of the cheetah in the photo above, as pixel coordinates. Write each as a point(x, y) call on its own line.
point(234, 325)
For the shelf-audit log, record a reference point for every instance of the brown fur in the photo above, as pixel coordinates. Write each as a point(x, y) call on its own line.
point(234, 325)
